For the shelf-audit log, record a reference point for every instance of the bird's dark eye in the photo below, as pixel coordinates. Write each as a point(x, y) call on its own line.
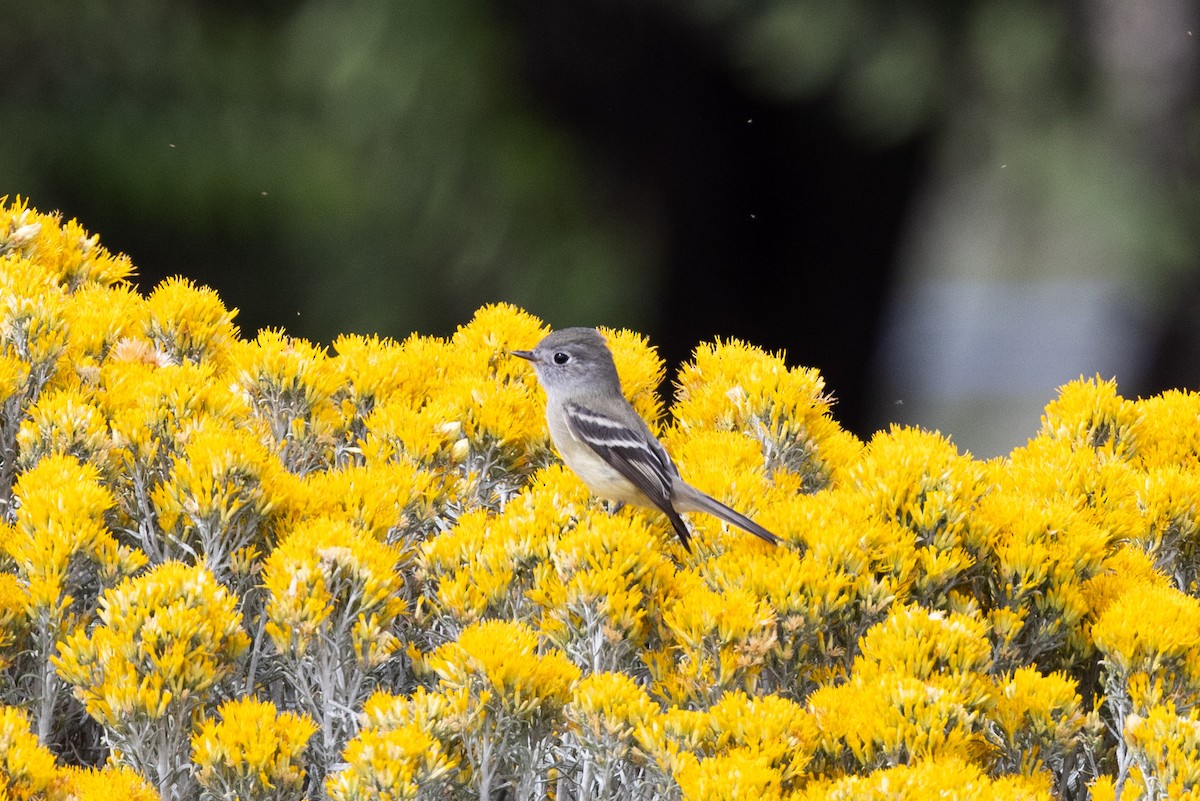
point(562, 358)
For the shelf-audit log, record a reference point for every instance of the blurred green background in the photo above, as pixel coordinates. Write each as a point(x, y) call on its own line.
point(948, 208)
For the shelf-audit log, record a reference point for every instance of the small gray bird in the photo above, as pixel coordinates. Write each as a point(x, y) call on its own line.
point(606, 442)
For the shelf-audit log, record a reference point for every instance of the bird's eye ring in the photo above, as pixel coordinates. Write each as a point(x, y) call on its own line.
point(561, 358)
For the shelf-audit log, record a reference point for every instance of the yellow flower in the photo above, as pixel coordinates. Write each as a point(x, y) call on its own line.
point(1044, 551)
point(76, 257)
point(1153, 631)
point(486, 565)
point(641, 372)
point(189, 322)
point(164, 640)
point(1129, 569)
point(769, 726)
point(1089, 413)
point(401, 763)
point(498, 663)
point(14, 623)
point(925, 644)
point(61, 537)
point(100, 318)
point(290, 386)
point(392, 501)
point(939, 777)
point(220, 497)
point(1041, 718)
point(253, 750)
point(64, 421)
point(731, 776)
point(92, 784)
point(32, 319)
point(26, 768)
point(508, 696)
point(493, 331)
point(605, 712)
point(596, 588)
point(1170, 505)
point(728, 466)
point(732, 386)
point(1166, 430)
point(1166, 746)
point(919, 690)
point(332, 587)
point(721, 640)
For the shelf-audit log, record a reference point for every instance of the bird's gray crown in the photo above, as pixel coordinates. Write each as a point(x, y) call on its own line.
point(576, 360)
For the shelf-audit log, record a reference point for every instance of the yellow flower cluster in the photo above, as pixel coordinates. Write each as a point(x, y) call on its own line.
point(30, 772)
point(167, 642)
point(265, 567)
point(252, 751)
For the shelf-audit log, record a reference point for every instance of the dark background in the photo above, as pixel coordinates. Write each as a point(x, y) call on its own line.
point(801, 175)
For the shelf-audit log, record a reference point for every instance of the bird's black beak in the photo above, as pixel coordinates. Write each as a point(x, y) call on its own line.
point(524, 354)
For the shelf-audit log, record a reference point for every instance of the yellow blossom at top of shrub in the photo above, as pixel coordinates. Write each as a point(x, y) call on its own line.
point(485, 565)
point(720, 643)
point(919, 479)
point(1167, 430)
point(28, 769)
point(252, 750)
point(1166, 746)
point(189, 322)
point(76, 258)
point(498, 664)
point(925, 644)
point(290, 384)
point(917, 691)
point(950, 778)
point(1129, 569)
point(1040, 716)
point(387, 500)
point(466, 403)
point(333, 584)
point(732, 386)
point(100, 318)
point(277, 369)
point(371, 369)
point(1169, 500)
point(152, 410)
point(1154, 630)
point(1093, 481)
point(64, 421)
point(605, 711)
point(164, 640)
point(403, 763)
point(730, 776)
point(57, 532)
point(104, 784)
point(493, 331)
point(1089, 413)
point(32, 318)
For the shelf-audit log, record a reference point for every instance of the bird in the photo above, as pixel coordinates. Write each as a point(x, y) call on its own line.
point(606, 442)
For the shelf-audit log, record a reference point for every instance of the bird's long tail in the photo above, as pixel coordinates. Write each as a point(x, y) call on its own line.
point(697, 501)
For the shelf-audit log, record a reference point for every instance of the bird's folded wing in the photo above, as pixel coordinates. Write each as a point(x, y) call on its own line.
point(634, 454)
